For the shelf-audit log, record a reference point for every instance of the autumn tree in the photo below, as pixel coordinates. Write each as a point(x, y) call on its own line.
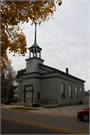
point(15, 12)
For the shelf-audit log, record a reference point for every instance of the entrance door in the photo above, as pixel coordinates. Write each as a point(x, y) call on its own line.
point(28, 93)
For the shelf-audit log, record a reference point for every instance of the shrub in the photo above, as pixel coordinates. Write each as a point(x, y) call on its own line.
point(26, 105)
point(45, 106)
point(7, 102)
point(35, 105)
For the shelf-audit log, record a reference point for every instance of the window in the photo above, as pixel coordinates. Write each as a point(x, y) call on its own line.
point(38, 53)
point(81, 92)
point(31, 54)
point(70, 91)
point(76, 91)
point(63, 90)
point(28, 88)
point(38, 95)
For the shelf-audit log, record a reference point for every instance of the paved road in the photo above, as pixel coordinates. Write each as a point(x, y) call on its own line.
point(64, 122)
point(13, 127)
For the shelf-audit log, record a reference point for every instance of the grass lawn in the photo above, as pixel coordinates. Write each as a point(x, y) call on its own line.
point(22, 108)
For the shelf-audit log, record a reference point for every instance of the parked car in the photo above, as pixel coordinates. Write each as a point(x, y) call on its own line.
point(83, 114)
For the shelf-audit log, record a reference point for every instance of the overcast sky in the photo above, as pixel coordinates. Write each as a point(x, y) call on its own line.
point(64, 40)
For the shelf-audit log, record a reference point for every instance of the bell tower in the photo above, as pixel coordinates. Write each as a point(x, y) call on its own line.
point(35, 50)
point(32, 63)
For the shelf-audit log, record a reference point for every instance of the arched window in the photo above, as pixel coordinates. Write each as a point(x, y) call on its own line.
point(35, 53)
point(38, 53)
point(31, 53)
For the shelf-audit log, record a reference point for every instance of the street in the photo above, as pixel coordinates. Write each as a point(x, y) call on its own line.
point(13, 127)
point(34, 123)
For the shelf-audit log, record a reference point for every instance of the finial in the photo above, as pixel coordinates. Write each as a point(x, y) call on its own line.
point(35, 32)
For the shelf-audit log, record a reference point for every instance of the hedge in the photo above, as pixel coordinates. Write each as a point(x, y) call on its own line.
point(35, 105)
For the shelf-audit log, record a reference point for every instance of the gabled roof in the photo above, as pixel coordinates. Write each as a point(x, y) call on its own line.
point(56, 70)
point(52, 70)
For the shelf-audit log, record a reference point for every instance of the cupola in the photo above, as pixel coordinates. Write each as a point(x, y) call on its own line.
point(35, 50)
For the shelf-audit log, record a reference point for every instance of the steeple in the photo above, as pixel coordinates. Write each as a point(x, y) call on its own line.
point(35, 49)
point(35, 41)
point(35, 33)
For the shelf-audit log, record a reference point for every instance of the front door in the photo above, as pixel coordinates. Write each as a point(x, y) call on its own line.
point(28, 93)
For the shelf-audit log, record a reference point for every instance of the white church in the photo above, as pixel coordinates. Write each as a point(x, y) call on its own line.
point(39, 83)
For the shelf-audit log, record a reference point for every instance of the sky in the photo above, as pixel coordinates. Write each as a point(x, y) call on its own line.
point(65, 40)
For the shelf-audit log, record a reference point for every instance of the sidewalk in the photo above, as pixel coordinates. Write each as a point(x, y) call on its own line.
point(62, 111)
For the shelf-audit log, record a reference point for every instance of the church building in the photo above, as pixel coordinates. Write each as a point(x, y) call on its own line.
point(39, 83)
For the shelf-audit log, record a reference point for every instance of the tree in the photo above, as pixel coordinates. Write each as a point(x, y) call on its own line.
point(14, 12)
point(19, 71)
point(3, 86)
point(7, 83)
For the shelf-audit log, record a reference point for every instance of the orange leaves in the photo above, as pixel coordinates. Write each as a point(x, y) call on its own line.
point(16, 43)
point(59, 3)
point(19, 44)
point(14, 12)
point(37, 11)
point(4, 61)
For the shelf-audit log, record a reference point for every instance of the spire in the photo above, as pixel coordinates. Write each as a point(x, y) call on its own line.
point(35, 44)
point(35, 41)
point(35, 32)
point(35, 49)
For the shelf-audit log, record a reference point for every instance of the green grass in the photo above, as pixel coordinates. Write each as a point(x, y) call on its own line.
point(22, 108)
